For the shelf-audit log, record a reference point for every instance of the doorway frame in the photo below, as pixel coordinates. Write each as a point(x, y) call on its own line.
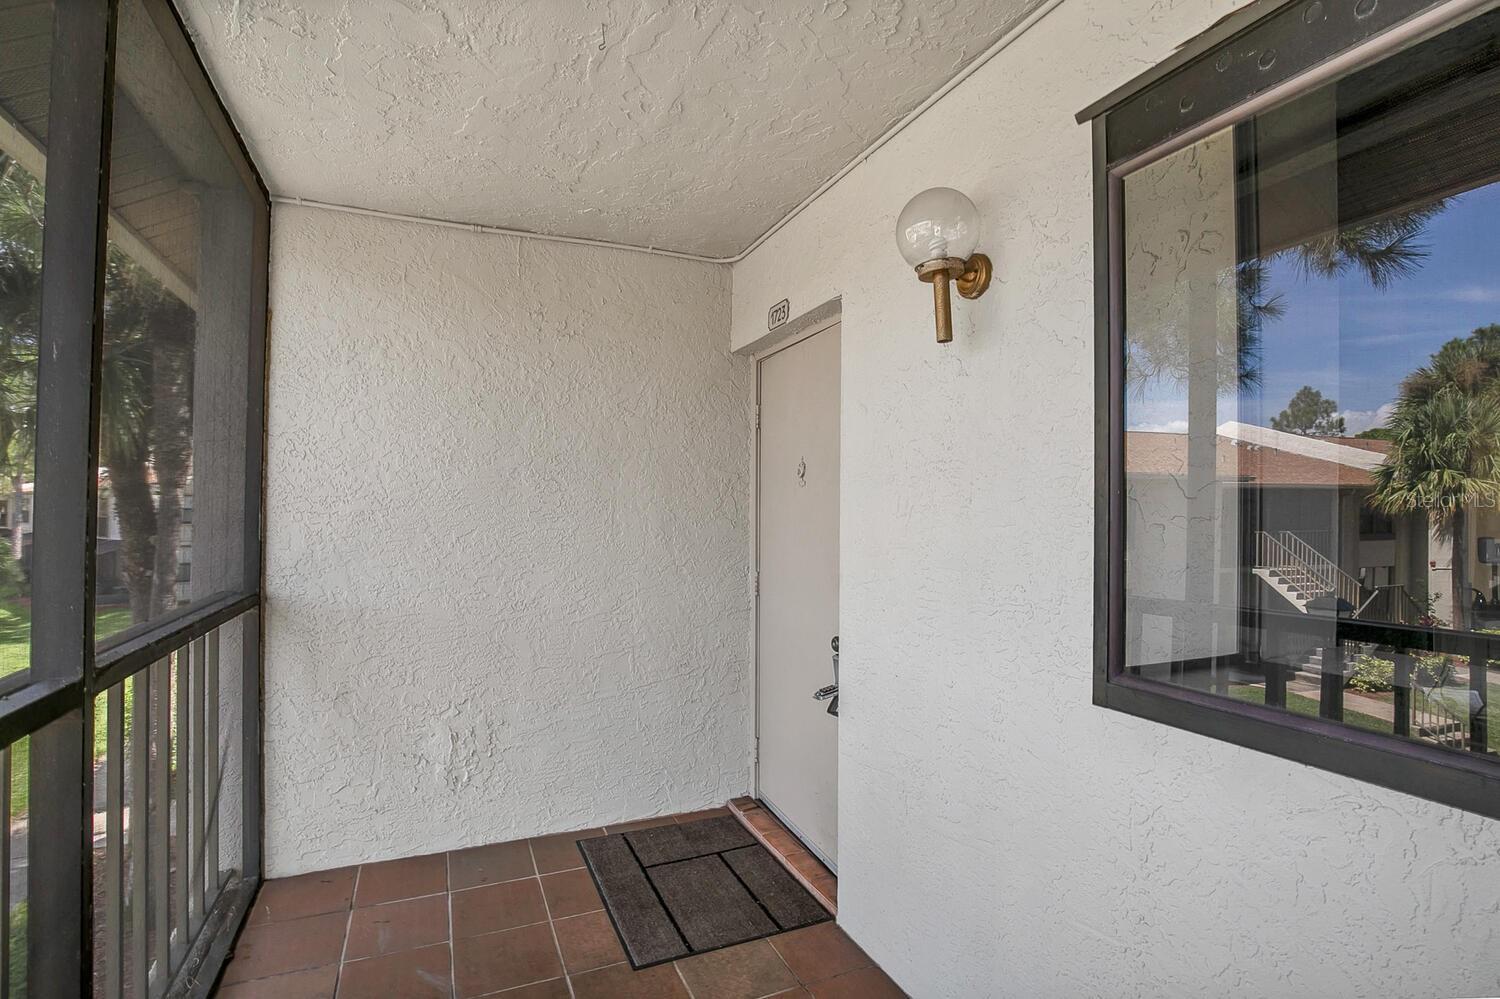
point(804, 327)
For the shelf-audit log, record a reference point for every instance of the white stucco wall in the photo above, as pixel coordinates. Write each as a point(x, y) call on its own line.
point(999, 835)
point(507, 540)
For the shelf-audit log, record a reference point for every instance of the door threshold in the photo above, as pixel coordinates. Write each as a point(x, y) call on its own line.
point(790, 851)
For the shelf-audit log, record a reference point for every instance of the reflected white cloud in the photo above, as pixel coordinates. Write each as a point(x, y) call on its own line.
point(1357, 421)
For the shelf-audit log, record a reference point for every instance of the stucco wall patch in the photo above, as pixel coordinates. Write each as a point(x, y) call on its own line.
point(508, 515)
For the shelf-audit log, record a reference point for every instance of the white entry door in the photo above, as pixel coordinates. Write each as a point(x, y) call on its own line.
point(798, 564)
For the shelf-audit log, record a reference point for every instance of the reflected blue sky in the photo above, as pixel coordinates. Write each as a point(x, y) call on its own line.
point(1352, 341)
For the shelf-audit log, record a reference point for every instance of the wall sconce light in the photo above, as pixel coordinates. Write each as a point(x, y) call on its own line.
point(937, 233)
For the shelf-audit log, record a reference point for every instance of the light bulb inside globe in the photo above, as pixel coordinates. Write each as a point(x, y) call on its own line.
point(937, 233)
point(940, 223)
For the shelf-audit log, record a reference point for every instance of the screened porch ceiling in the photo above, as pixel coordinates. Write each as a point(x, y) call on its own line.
point(158, 157)
point(691, 127)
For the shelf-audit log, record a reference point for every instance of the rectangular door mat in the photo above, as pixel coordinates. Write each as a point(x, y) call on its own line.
point(677, 890)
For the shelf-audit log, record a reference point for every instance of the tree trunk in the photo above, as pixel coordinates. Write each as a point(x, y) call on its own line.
point(17, 498)
point(168, 537)
point(171, 442)
point(1462, 589)
point(137, 516)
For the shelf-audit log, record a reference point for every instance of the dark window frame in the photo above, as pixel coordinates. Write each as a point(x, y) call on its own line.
point(55, 704)
point(1216, 81)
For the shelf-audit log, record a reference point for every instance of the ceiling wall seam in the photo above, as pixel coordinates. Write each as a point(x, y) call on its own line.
point(973, 66)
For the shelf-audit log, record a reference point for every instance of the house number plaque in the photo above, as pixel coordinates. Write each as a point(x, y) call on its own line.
point(780, 313)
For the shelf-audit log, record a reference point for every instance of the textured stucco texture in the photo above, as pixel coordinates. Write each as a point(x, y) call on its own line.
point(508, 495)
point(998, 834)
point(685, 124)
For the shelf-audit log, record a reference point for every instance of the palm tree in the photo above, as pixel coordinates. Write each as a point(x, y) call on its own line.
point(146, 392)
point(1445, 453)
point(146, 426)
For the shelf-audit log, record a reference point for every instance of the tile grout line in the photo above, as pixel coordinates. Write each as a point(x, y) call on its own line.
point(412, 898)
point(452, 951)
point(547, 908)
point(348, 928)
point(518, 988)
point(677, 967)
point(786, 964)
point(486, 933)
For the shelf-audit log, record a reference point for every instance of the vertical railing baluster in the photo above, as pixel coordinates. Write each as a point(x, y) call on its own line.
point(181, 931)
point(211, 771)
point(1331, 692)
point(159, 837)
point(1275, 677)
point(1401, 694)
point(1479, 691)
point(140, 808)
point(195, 773)
point(114, 839)
point(5, 955)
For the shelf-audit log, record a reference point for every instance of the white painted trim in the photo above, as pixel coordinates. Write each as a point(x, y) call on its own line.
point(494, 230)
point(814, 320)
point(973, 66)
point(1308, 447)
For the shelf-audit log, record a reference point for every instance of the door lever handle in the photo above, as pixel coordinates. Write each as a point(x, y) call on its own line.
point(832, 690)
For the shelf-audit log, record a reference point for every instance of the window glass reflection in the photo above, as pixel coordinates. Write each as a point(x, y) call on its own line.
point(1312, 446)
point(176, 311)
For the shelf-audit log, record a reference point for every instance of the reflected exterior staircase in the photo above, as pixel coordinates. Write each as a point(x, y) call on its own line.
point(1301, 574)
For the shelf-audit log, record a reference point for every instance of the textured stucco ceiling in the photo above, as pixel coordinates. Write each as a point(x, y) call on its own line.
point(694, 128)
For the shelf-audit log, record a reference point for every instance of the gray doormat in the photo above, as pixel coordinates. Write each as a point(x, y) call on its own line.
point(671, 891)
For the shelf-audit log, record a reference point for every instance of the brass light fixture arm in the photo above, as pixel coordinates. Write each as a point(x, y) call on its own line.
point(971, 276)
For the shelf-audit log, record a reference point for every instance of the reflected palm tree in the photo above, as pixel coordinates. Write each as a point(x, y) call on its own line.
point(1382, 250)
point(1445, 453)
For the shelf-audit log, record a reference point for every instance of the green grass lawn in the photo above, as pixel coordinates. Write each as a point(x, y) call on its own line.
point(15, 656)
point(20, 752)
point(1297, 704)
point(15, 632)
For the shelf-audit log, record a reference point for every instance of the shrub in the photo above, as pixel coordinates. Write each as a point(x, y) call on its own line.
point(1435, 670)
point(12, 577)
point(1372, 674)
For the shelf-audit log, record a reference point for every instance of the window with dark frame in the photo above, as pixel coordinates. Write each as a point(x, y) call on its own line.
point(133, 257)
point(1298, 223)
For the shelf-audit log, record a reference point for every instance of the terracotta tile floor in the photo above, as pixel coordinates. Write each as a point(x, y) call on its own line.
point(775, 837)
point(518, 920)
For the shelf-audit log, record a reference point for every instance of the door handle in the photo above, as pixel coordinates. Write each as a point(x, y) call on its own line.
point(830, 693)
